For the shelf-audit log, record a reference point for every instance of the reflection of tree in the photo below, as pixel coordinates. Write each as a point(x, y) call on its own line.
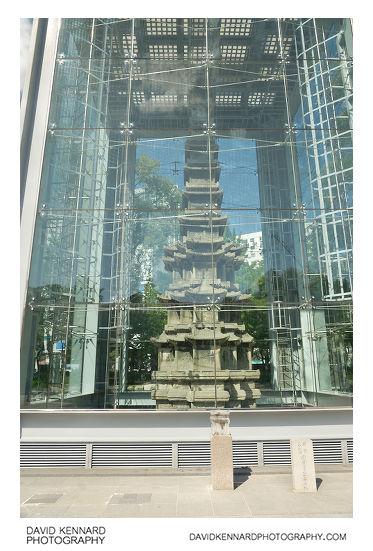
point(158, 191)
point(142, 354)
point(248, 275)
point(255, 319)
point(49, 302)
point(340, 343)
point(250, 279)
point(154, 230)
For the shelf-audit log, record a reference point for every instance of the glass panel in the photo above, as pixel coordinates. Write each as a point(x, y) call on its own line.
point(246, 95)
point(75, 168)
point(64, 367)
point(194, 229)
point(168, 95)
point(96, 38)
point(88, 93)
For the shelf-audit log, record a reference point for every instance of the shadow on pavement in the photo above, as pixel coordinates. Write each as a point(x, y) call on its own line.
point(241, 475)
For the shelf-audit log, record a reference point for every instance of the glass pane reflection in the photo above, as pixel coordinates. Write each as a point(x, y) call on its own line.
point(193, 240)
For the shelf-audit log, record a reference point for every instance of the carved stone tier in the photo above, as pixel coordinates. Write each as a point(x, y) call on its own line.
point(204, 354)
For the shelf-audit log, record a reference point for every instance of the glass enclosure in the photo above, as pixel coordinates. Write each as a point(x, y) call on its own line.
point(193, 241)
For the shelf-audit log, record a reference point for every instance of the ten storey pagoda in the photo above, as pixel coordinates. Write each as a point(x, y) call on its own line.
point(204, 354)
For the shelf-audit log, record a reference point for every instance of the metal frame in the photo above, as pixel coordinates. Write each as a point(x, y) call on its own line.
point(34, 119)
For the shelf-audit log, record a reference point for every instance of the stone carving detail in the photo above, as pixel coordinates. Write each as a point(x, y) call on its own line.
point(219, 422)
point(203, 343)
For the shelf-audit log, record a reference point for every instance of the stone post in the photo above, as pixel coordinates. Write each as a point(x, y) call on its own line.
point(221, 451)
point(303, 466)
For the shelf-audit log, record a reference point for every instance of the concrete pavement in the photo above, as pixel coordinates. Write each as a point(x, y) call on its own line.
point(121, 493)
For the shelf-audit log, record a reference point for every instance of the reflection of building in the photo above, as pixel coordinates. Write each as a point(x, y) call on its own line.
point(204, 353)
point(101, 93)
point(254, 251)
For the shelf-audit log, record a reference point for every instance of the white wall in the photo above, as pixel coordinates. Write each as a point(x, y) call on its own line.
point(181, 426)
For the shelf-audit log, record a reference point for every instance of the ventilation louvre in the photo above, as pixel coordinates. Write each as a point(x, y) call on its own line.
point(167, 454)
point(245, 454)
point(327, 451)
point(350, 451)
point(132, 455)
point(53, 455)
point(194, 455)
point(276, 453)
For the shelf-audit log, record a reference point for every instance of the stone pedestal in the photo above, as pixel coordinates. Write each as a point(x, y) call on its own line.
point(221, 451)
point(303, 466)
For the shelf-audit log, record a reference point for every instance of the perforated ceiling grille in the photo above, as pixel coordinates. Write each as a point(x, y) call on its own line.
point(138, 97)
point(228, 99)
point(195, 27)
point(163, 98)
point(161, 27)
point(235, 27)
point(162, 51)
point(233, 51)
point(194, 52)
point(270, 70)
point(261, 98)
point(271, 44)
point(287, 44)
point(129, 45)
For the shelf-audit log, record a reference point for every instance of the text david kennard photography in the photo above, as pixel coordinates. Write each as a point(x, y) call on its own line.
point(65, 535)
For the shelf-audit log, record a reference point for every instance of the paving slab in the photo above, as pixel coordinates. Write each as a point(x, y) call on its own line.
point(140, 511)
point(263, 492)
point(85, 511)
point(43, 511)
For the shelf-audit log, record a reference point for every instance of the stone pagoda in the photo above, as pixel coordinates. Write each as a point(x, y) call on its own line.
point(204, 354)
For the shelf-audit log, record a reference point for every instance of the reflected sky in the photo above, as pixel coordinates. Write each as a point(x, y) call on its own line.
point(238, 177)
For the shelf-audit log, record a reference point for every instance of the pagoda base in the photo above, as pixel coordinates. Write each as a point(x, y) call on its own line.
point(180, 390)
